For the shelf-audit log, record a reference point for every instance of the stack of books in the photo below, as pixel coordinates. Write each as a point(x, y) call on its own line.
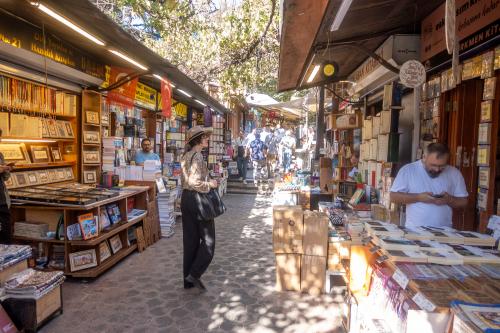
point(12, 254)
point(471, 317)
point(31, 229)
point(32, 284)
point(109, 146)
point(166, 211)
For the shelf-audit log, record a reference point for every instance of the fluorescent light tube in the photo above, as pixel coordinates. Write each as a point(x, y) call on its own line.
point(162, 79)
point(69, 24)
point(183, 92)
point(200, 102)
point(28, 140)
point(339, 17)
point(313, 73)
point(132, 61)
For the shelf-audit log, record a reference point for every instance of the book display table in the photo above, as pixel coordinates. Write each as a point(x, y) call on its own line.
point(83, 248)
point(408, 291)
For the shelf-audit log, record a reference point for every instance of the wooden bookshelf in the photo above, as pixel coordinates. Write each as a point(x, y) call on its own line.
point(91, 105)
point(49, 214)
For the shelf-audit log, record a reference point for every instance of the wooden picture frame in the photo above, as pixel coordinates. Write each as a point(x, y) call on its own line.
point(40, 154)
point(56, 154)
point(15, 152)
point(104, 251)
point(91, 137)
point(483, 155)
point(43, 176)
point(105, 118)
point(11, 182)
point(91, 157)
point(116, 243)
point(32, 178)
point(69, 173)
point(45, 128)
point(61, 130)
point(484, 133)
point(489, 88)
point(51, 126)
point(20, 179)
point(52, 175)
point(61, 175)
point(92, 117)
point(82, 260)
point(89, 176)
point(486, 115)
point(69, 129)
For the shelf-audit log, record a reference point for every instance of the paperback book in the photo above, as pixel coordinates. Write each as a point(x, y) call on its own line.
point(114, 213)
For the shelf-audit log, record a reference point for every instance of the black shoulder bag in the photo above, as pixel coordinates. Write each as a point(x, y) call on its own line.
point(209, 204)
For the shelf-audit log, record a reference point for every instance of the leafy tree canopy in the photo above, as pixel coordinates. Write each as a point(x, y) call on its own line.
point(233, 43)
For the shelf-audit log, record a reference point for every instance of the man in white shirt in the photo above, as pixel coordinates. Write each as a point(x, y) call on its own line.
point(430, 189)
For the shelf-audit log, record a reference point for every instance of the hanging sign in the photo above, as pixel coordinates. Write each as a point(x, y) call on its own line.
point(449, 19)
point(145, 96)
point(412, 74)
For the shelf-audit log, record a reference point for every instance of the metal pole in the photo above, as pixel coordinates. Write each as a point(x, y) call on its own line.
point(320, 122)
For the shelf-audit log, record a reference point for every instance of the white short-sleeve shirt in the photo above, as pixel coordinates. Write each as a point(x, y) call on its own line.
point(412, 178)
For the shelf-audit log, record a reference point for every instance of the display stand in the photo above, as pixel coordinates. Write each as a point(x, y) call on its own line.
point(91, 137)
point(47, 212)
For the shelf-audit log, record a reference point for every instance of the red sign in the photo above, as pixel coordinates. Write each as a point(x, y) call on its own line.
point(124, 94)
point(166, 99)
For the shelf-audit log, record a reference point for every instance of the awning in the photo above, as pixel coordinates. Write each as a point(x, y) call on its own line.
point(91, 19)
point(307, 39)
point(294, 108)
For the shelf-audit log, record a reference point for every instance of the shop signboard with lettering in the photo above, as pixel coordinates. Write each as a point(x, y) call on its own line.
point(477, 21)
point(28, 37)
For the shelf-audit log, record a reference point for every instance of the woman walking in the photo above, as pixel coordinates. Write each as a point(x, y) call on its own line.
point(198, 234)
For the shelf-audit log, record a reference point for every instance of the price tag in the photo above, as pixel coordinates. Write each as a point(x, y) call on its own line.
point(423, 302)
point(400, 278)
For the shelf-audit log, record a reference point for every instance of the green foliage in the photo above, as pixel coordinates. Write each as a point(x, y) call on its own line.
point(236, 46)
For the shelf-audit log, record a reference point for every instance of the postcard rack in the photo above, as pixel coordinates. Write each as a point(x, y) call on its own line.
point(61, 207)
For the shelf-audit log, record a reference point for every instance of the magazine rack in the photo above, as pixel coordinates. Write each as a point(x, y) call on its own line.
point(122, 232)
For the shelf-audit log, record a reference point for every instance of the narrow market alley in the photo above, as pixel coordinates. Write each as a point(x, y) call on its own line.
point(144, 292)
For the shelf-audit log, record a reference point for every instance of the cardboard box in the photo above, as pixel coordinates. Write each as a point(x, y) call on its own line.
point(288, 272)
point(288, 229)
point(336, 252)
point(315, 240)
point(325, 174)
point(313, 274)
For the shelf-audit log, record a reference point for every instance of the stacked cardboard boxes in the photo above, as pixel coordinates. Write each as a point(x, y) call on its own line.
point(300, 242)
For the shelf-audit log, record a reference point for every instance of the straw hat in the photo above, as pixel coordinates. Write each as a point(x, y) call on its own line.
point(196, 131)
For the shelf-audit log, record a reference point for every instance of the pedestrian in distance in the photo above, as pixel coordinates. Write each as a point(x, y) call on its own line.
point(198, 234)
point(258, 152)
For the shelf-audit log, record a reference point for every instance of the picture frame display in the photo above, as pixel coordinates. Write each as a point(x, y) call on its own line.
point(56, 154)
point(104, 251)
point(69, 173)
point(116, 243)
point(484, 134)
point(40, 154)
point(52, 175)
point(10, 182)
point(489, 88)
point(483, 155)
point(43, 176)
point(484, 177)
point(32, 178)
point(20, 179)
point(69, 129)
point(486, 108)
point(89, 176)
point(91, 137)
point(61, 175)
point(82, 259)
point(61, 129)
point(14, 152)
point(92, 117)
point(91, 156)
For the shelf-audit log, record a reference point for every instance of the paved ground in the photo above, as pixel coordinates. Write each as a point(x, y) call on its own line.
point(144, 292)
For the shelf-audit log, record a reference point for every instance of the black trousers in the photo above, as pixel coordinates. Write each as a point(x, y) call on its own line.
point(5, 224)
point(198, 238)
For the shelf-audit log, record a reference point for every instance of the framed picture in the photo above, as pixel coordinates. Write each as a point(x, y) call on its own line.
point(484, 134)
point(104, 251)
point(40, 154)
point(56, 154)
point(486, 108)
point(43, 176)
point(14, 152)
point(89, 176)
point(92, 117)
point(91, 137)
point(483, 155)
point(105, 118)
point(51, 126)
point(69, 130)
point(32, 178)
point(45, 128)
point(484, 177)
point(52, 176)
point(116, 243)
point(11, 182)
point(61, 175)
point(82, 259)
point(69, 173)
point(20, 179)
point(489, 88)
point(91, 156)
point(61, 129)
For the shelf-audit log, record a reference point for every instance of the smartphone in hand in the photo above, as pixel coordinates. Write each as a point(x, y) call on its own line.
point(438, 195)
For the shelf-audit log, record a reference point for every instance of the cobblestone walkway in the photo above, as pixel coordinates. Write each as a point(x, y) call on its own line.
point(144, 292)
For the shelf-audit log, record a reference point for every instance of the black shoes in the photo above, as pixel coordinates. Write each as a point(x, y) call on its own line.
point(191, 282)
